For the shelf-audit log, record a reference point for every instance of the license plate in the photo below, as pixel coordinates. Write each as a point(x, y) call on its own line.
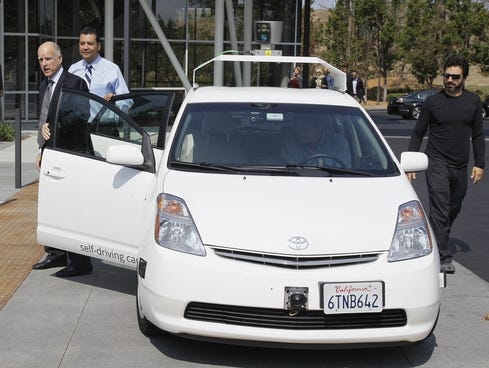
point(353, 297)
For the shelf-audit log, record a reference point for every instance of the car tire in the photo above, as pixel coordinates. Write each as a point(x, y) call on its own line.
point(484, 114)
point(415, 112)
point(146, 327)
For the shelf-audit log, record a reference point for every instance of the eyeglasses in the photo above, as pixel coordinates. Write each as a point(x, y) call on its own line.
point(453, 76)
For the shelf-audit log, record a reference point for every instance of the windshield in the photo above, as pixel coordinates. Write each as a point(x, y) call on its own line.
point(279, 139)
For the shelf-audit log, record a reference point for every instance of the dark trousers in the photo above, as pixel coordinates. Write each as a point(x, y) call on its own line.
point(73, 259)
point(78, 261)
point(55, 254)
point(446, 190)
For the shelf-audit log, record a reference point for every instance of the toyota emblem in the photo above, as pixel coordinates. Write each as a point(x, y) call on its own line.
point(298, 243)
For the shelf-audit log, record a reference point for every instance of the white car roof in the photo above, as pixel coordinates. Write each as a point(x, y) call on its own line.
point(338, 75)
point(311, 96)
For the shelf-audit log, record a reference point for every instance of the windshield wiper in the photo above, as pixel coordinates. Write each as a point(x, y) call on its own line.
point(272, 169)
point(328, 169)
point(207, 166)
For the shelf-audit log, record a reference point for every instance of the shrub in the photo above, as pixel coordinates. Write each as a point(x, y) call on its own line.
point(7, 132)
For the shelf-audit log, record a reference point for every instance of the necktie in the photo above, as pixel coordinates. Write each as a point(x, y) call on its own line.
point(45, 103)
point(88, 74)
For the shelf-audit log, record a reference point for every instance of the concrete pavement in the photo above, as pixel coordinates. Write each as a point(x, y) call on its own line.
point(29, 172)
point(90, 321)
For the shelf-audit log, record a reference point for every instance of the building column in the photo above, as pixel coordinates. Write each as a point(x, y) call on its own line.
point(247, 39)
point(219, 42)
point(234, 41)
point(109, 30)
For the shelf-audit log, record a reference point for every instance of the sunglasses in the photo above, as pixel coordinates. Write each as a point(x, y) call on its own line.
point(453, 76)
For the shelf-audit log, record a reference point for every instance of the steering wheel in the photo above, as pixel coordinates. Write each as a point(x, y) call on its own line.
point(310, 159)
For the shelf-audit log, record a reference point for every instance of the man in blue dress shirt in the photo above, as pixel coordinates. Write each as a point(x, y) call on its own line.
point(104, 78)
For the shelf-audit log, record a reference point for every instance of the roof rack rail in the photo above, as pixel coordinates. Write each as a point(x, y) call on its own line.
point(338, 75)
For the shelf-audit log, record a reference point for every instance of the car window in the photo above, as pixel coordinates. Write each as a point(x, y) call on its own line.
point(85, 125)
point(425, 94)
point(150, 110)
point(254, 136)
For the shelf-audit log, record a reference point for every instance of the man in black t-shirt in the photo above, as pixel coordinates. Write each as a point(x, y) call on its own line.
point(454, 119)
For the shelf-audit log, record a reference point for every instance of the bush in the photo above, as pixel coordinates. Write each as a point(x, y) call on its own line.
point(7, 132)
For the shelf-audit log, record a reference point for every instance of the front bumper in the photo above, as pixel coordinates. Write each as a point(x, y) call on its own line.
point(173, 281)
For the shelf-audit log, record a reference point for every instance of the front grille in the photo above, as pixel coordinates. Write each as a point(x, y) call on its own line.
point(280, 318)
point(294, 262)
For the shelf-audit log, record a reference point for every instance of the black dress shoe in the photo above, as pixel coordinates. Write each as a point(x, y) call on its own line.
point(48, 263)
point(71, 271)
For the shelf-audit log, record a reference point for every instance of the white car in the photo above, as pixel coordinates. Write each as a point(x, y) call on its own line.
point(271, 215)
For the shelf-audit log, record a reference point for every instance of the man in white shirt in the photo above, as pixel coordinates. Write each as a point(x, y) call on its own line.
point(355, 87)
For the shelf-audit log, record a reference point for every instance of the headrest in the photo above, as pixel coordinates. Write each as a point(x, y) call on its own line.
point(216, 121)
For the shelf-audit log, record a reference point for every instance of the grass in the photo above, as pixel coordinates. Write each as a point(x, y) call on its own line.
point(7, 132)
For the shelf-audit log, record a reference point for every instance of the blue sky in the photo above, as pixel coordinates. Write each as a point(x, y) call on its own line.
point(324, 4)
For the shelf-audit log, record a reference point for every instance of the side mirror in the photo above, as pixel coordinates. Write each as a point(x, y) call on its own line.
point(414, 161)
point(125, 154)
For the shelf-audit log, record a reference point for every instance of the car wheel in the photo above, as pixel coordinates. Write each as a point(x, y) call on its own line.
point(415, 112)
point(484, 114)
point(146, 327)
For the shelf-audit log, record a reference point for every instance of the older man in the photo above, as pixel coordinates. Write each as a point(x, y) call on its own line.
point(50, 60)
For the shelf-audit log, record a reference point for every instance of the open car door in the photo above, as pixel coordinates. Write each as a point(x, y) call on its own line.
point(97, 183)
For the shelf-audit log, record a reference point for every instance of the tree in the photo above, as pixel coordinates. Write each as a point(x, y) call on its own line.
point(361, 33)
point(420, 41)
point(377, 19)
point(335, 36)
point(375, 35)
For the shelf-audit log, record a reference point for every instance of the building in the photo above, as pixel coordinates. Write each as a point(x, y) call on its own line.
point(157, 43)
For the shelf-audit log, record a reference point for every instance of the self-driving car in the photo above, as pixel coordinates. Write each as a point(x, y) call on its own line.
point(265, 216)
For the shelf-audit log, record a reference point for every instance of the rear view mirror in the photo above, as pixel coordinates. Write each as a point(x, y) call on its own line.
point(125, 154)
point(414, 161)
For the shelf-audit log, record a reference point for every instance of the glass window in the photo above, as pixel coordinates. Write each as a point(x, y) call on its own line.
point(76, 14)
point(88, 127)
point(41, 17)
point(200, 18)
point(150, 111)
point(150, 66)
point(170, 15)
point(198, 54)
point(11, 102)
point(70, 50)
point(280, 139)
point(15, 61)
point(14, 15)
point(33, 107)
point(35, 74)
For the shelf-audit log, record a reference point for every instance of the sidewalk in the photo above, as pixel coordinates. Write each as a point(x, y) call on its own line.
point(29, 172)
point(90, 321)
point(18, 216)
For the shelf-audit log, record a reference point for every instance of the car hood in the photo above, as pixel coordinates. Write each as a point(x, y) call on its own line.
point(262, 213)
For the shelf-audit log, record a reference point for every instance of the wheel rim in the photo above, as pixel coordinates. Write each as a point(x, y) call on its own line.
point(416, 112)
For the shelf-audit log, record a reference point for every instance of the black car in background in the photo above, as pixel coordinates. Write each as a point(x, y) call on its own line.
point(409, 105)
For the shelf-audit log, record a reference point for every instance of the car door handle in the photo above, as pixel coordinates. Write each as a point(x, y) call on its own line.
point(54, 172)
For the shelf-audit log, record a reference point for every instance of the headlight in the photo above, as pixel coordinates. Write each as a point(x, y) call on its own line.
point(175, 228)
point(412, 237)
